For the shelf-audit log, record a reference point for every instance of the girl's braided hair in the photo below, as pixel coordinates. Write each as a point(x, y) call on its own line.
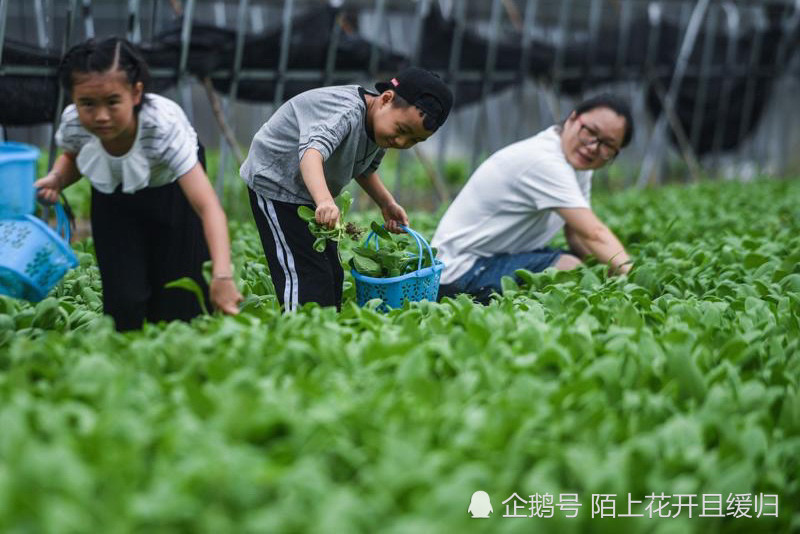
point(103, 56)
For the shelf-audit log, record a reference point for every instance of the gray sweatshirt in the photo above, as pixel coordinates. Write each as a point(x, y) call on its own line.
point(331, 120)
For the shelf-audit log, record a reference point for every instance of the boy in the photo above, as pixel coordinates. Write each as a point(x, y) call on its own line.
point(310, 149)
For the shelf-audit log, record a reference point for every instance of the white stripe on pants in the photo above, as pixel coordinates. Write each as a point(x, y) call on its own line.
point(290, 290)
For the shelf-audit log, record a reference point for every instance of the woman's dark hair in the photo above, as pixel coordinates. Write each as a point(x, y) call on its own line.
point(103, 56)
point(616, 104)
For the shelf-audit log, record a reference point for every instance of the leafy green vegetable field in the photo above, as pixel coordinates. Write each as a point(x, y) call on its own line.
point(681, 379)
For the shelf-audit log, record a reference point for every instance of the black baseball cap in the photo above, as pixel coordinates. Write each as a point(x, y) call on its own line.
point(424, 90)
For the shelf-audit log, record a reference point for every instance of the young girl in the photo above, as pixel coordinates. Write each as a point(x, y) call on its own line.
point(152, 202)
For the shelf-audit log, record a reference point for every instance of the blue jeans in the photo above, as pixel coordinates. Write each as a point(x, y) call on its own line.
point(483, 278)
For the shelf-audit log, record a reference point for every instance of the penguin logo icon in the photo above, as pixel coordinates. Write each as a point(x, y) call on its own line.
point(479, 505)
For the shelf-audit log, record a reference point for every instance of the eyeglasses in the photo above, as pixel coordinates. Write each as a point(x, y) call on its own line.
point(588, 137)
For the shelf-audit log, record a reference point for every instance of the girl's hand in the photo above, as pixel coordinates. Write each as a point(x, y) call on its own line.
point(394, 215)
point(48, 188)
point(327, 213)
point(224, 295)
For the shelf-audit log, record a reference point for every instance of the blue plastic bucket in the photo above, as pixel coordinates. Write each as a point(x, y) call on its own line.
point(422, 284)
point(33, 257)
point(17, 173)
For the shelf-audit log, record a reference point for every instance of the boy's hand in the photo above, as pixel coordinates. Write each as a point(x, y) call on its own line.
point(394, 215)
point(623, 268)
point(225, 296)
point(327, 213)
point(48, 188)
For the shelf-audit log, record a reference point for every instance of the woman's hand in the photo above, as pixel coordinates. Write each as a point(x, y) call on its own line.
point(394, 215)
point(327, 213)
point(49, 187)
point(224, 295)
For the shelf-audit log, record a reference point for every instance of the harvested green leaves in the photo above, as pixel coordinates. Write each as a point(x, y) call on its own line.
point(389, 256)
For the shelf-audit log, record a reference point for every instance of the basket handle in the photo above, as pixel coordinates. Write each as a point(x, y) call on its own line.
point(63, 219)
point(418, 238)
point(62, 222)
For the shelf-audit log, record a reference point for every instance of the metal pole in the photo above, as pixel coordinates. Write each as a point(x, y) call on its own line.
point(591, 71)
point(789, 28)
point(380, 9)
point(764, 146)
point(656, 145)
point(488, 75)
point(732, 19)
point(558, 63)
point(624, 38)
point(134, 32)
point(749, 93)
point(528, 19)
point(88, 21)
point(153, 19)
point(330, 56)
point(629, 73)
point(779, 149)
point(241, 32)
point(548, 108)
point(257, 20)
point(184, 88)
point(459, 16)
point(699, 111)
point(423, 8)
point(219, 14)
point(3, 15)
point(595, 11)
point(654, 17)
point(435, 173)
point(651, 67)
point(618, 70)
point(43, 39)
point(286, 36)
point(420, 14)
point(42, 36)
point(69, 23)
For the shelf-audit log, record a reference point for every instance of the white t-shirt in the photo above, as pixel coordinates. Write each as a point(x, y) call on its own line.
point(507, 206)
point(165, 148)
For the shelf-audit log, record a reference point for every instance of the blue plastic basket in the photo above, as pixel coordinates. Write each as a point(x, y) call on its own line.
point(422, 284)
point(17, 172)
point(33, 257)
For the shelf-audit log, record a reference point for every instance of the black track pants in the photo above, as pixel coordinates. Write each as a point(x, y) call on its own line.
point(142, 241)
point(299, 273)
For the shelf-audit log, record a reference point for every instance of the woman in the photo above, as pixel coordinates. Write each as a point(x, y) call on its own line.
point(521, 196)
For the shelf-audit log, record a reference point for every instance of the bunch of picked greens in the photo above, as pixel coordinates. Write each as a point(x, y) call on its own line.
point(390, 258)
point(322, 233)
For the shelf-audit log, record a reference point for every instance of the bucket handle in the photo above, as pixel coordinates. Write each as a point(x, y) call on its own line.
point(418, 238)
